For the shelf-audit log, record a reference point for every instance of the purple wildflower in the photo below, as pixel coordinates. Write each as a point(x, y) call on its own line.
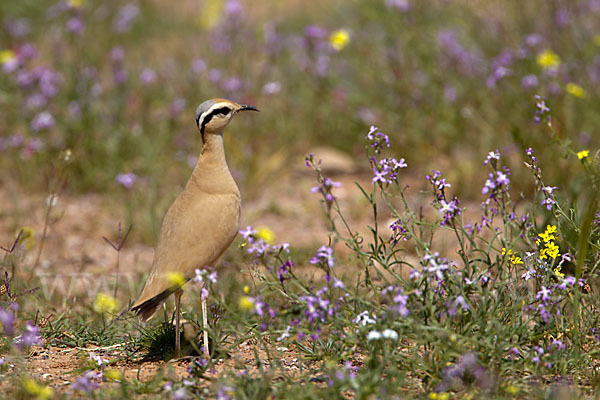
point(232, 84)
point(400, 305)
point(450, 210)
point(88, 382)
point(99, 360)
point(469, 62)
point(117, 54)
point(127, 180)
point(198, 66)
point(435, 265)
point(496, 183)
point(272, 88)
point(493, 157)
point(544, 294)
point(317, 307)
point(248, 232)
point(315, 32)
point(180, 394)
point(562, 17)
point(386, 170)
point(338, 283)
point(43, 120)
point(325, 188)
point(439, 183)
point(513, 353)
point(233, 8)
point(29, 337)
point(399, 232)
point(225, 393)
point(570, 280)
point(285, 334)
point(177, 106)
point(48, 81)
point(147, 76)
point(325, 255)
point(7, 320)
point(125, 18)
point(75, 25)
point(378, 139)
point(529, 81)
point(18, 27)
point(214, 75)
point(283, 272)
point(258, 247)
point(548, 201)
point(36, 101)
point(400, 5)
point(465, 371)
point(558, 345)
point(450, 93)
point(542, 111)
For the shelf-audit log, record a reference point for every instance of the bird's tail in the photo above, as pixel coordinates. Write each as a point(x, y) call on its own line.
point(147, 309)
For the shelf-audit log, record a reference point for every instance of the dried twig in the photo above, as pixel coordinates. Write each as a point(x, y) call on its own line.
point(118, 246)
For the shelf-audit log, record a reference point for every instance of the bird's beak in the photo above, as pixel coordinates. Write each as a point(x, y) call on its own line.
point(244, 107)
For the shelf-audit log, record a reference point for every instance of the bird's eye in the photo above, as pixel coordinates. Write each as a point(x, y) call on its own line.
point(223, 111)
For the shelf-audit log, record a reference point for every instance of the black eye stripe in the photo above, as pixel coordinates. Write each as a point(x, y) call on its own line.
point(222, 110)
point(206, 120)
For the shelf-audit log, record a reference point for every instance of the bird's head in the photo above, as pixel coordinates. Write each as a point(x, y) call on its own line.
point(213, 115)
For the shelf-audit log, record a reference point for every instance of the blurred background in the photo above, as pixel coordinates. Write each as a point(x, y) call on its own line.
point(99, 96)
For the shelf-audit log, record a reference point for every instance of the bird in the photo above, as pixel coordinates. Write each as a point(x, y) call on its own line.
point(200, 224)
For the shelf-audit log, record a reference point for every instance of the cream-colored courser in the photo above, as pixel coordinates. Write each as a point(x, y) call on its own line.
point(202, 221)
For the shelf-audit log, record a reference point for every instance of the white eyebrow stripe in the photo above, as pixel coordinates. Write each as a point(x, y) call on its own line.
point(215, 106)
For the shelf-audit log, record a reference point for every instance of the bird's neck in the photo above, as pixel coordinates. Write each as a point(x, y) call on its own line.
point(211, 174)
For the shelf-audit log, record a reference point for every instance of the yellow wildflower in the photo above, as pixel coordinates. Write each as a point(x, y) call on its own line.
point(575, 90)
point(28, 237)
point(504, 252)
point(552, 250)
point(7, 56)
point(511, 389)
point(37, 390)
point(175, 278)
point(76, 3)
point(548, 59)
point(339, 39)
point(439, 396)
point(548, 235)
point(265, 234)
point(558, 273)
point(583, 154)
point(113, 375)
point(246, 303)
point(211, 14)
point(516, 260)
point(105, 303)
point(246, 289)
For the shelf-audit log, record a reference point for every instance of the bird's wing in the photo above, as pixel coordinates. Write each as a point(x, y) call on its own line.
point(195, 232)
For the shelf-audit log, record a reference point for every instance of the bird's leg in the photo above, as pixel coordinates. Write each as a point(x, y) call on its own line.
point(178, 294)
point(205, 326)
